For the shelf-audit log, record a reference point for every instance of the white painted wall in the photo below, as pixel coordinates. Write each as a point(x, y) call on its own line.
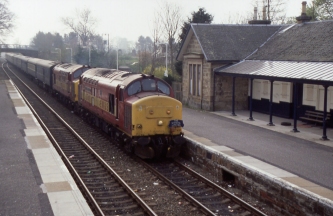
point(282, 91)
point(313, 95)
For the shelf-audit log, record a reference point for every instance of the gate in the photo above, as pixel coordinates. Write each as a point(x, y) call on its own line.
point(177, 88)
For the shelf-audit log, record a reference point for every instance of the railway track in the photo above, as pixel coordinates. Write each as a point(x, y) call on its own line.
point(208, 197)
point(106, 192)
point(190, 193)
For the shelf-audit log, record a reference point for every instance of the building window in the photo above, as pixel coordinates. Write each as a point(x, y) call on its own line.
point(195, 73)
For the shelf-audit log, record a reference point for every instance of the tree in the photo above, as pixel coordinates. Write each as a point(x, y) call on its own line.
point(170, 18)
point(6, 20)
point(156, 39)
point(320, 9)
point(144, 47)
point(83, 25)
point(46, 44)
point(201, 16)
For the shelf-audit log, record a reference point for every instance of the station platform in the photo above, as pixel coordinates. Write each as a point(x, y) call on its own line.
point(301, 160)
point(33, 178)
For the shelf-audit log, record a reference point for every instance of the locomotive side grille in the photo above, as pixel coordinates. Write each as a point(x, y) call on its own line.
point(128, 117)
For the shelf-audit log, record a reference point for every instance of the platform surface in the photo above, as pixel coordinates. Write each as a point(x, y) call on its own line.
point(301, 158)
point(33, 178)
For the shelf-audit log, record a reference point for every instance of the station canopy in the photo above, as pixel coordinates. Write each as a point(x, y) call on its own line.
point(320, 73)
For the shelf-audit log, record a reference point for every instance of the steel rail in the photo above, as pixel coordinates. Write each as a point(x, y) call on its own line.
point(188, 197)
point(221, 190)
point(118, 178)
point(55, 144)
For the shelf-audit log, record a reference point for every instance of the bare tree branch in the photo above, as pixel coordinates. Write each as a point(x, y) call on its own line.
point(171, 21)
point(6, 21)
point(156, 33)
point(83, 25)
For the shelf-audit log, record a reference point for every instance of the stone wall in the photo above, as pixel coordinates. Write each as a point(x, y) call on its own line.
point(223, 85)
point(281, 195)
point(223, 93)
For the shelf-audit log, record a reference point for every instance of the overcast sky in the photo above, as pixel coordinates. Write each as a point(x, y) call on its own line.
point(118, 18)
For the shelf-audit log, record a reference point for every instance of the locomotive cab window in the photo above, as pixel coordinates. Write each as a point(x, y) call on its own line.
point(148, 85)
point(134, 88)
point(78, 73)
point(162, 87)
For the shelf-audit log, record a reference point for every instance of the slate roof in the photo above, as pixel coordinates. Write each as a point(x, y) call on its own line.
point(290, 71)
point(310, 41)
point(221, 42)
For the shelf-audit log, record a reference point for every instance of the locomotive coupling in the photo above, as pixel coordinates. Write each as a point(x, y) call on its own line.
point(143, 141)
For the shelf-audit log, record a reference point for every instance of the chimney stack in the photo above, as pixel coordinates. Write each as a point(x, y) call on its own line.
point(303, 18)
point(303, 8)
point(255, 13)
point(262, 22)
point(264, 16)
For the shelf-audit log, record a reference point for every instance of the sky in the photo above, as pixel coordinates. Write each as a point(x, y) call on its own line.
point(118, 18)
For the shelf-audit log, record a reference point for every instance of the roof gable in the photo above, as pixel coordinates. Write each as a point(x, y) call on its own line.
point(228, 42)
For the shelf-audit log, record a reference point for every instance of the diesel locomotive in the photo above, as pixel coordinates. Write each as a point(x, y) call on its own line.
point(137, 110)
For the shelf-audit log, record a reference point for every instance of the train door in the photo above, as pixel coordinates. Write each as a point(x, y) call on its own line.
point(119, 102)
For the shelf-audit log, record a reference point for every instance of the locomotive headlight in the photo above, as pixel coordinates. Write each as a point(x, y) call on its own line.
point(160, 123)
point(151, 112)
point(139, 125)
point(168, 112)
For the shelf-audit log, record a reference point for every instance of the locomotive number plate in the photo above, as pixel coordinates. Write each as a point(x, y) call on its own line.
point(176, 123)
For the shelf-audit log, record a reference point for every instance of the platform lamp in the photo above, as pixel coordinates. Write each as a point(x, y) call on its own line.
point(59, 52)
point(71, 52)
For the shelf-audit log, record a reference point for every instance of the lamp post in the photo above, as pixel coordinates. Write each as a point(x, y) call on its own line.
point(117, 56)
point(166, 58)
point(89, 52)
point(71, 52)
point(59, 52)
point(108, 41)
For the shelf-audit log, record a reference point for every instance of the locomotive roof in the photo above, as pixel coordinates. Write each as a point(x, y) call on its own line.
point(69, 67)
point(42, 62)
point(111, 77)
point(107, 75)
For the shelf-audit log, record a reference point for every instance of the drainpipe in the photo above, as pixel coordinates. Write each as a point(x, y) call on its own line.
point(324, 137)
point(251, 96)
point(233, 96)
point(213, 90)
point(295, 108)
point(271, 106)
